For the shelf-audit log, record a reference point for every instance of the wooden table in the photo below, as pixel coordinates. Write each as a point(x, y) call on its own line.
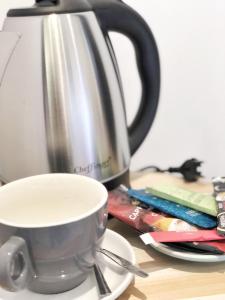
point(170, 278)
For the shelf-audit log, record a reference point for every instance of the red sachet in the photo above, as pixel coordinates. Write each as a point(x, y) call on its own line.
point(173, 236)
point(120, 206)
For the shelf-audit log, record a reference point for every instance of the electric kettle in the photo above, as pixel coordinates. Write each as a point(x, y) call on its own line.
point(61, 99)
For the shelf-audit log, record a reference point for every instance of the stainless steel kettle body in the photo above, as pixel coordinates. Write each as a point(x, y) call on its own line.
point(61, 100)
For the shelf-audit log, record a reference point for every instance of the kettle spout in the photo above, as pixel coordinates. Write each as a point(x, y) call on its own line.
point(8, 43)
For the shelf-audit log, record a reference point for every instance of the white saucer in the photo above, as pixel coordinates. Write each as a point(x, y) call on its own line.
point(117, 278)
point(186, 255)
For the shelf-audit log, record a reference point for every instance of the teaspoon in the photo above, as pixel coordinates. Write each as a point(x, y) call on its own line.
point(123, 262)
point(103, 287)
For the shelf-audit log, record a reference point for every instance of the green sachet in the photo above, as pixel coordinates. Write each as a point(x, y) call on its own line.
point(198, 201)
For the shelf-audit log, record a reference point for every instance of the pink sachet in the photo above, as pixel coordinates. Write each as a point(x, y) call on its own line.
point(174, 236)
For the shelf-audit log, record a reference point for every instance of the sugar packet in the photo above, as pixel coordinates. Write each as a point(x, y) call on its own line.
point(172, 236)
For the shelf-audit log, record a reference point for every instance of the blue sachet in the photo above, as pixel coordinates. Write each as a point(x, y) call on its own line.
point(182, 212)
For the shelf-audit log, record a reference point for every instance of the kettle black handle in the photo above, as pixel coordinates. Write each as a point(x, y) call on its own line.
point(117, 16)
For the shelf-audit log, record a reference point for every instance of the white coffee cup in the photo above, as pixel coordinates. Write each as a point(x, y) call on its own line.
point(50, 227)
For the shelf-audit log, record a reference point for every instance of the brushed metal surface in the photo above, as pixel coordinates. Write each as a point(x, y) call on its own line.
point(85, 121)
point(77, 122)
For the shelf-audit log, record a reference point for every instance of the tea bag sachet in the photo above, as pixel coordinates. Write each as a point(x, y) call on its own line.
point(202, 202)
point(129, 211)
point(182, 212)
point(144, 219)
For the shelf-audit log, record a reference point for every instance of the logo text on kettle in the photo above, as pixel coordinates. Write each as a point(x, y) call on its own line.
point(93, 166)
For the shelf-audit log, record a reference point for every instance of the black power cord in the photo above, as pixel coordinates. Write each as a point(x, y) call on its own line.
point(189, 169)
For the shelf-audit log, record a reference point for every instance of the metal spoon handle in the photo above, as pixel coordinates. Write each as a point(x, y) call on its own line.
point(123, 262)
point(103, 287)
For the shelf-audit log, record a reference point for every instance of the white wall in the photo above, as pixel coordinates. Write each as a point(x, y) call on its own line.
point(5, 5)
point(191, 117)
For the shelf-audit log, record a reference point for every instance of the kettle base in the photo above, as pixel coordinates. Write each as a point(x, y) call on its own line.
point(115, 182)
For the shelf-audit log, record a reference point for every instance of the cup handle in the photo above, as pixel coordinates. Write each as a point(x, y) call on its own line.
point(15, 264)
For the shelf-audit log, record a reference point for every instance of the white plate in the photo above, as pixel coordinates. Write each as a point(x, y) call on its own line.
point(185, 255)
point(117, 278)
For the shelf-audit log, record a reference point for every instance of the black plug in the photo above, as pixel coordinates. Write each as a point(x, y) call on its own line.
point(189, 170)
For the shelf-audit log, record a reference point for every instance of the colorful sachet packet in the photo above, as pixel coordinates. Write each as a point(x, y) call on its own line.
point(201, 202)
point(173, 236)
point(129, 211)
point(189, 215)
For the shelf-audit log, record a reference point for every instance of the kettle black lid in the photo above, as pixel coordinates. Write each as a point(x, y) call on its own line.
point(45, 7)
